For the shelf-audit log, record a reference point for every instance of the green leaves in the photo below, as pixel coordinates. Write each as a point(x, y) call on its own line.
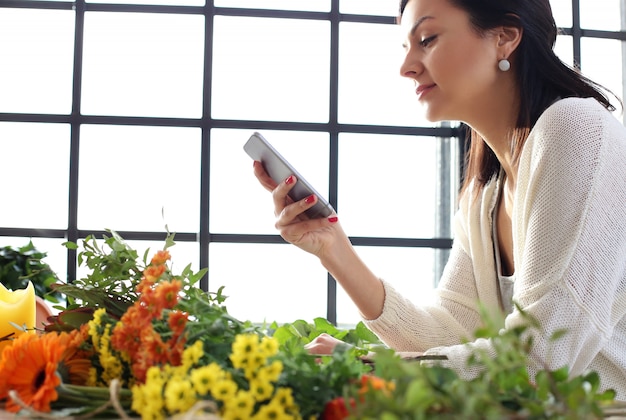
point(316, 380)
point(20, 265)
point(501, 389)
point(302, 332)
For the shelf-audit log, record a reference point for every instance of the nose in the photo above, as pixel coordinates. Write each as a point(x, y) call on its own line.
point(412, 65)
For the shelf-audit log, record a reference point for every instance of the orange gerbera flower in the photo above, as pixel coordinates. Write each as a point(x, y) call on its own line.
point(30, 365)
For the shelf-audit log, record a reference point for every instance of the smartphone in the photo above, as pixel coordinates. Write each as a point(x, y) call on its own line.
point(279, 169)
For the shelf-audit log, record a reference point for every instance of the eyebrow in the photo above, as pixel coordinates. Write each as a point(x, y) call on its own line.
point(418, 23)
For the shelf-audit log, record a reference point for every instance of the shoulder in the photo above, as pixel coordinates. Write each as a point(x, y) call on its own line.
point(573, 128)
point(575, 117)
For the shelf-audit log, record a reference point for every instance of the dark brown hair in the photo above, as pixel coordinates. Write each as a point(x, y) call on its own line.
point(541, 75)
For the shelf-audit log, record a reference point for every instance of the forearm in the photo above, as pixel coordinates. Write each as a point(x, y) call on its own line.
point(364, 288)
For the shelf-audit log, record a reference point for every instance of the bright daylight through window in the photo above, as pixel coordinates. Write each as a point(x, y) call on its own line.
point(131, 116)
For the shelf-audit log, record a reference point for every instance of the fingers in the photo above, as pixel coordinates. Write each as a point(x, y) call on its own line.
point(285, 208)
point(287, 211)
point(324, 344)
point(279, 191)
point(265, 180)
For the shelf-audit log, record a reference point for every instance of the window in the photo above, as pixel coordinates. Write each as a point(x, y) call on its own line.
point(132, 117)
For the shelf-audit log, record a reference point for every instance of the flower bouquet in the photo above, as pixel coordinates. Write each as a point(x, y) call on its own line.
point(136, 340)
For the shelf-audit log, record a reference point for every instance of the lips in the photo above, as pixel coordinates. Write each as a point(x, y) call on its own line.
point(424, 89)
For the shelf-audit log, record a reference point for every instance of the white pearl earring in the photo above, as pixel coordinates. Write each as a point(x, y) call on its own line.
point(504, 64)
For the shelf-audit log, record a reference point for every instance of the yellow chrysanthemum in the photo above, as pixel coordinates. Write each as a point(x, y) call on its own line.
point(245, 344)
point(204, 378)
point(272, 371)
point(179, 395)
point(269, 346)
point(94, 326)
point(111, 364)
point(92, 379)
point(239, 407)
point(153, 393)
point(240, 361)
point(234, 415)
point(138, 398)
point(284, 397)
point(272, 411)
point(192, 354)
point(148, 408)
point(148, 398)
point(261, 389)
point(224, 390)
point(154, 373)
point(253, 364)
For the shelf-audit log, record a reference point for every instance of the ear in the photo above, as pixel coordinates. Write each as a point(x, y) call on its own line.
point(509, 38)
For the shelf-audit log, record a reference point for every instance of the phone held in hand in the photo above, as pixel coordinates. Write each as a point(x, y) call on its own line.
point(279, 169)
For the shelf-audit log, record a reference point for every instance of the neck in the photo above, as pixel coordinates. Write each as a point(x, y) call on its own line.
point(495, 122)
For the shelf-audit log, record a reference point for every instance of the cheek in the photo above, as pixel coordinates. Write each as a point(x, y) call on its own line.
point(472, 69)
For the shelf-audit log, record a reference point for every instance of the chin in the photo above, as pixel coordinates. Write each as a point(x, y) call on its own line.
point(432, 116)
point(435, 114)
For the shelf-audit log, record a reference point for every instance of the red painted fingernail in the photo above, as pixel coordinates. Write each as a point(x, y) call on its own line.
point(309, 199)
point(333, 219)
point(289, 180)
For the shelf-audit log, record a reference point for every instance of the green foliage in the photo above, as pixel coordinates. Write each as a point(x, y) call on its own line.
point(114, 273)
point(315, 380)
point(211, 323)
point(301, 332)
point(502, 389)
point(20, 265)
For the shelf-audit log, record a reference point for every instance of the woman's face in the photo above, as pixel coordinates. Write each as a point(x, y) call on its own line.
point(454, 68)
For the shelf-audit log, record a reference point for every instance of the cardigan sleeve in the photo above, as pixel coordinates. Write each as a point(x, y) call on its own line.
point(454, 314)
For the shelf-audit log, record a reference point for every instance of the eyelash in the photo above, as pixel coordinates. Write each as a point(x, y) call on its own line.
point(427, 41)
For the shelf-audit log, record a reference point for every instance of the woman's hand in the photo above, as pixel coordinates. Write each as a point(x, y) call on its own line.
point(324, 344)
point(316, 236)
point(325, 239)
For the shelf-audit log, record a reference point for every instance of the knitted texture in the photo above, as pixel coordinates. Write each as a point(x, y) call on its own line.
point(569, 243)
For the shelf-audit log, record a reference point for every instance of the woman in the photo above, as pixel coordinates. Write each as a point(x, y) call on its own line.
point(542, 214)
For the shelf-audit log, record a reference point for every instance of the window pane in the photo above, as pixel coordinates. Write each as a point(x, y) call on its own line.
point(409, 270)
point(602, 62)
point(235, 190)
point(35, 174)
point(387, 185)
point(271, 69)
point(371, 90)
point(150, 65)
point(604, 15)
point(139, 178)
point(37, 48)
point(268, 282)
point(562, 12)
point(564, 49)
point(370, 7)
point(309, 5)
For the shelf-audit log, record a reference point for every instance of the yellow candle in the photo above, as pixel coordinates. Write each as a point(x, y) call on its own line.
point(17, 307)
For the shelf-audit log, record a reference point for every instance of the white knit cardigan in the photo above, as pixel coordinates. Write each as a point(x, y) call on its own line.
point(569, 240)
